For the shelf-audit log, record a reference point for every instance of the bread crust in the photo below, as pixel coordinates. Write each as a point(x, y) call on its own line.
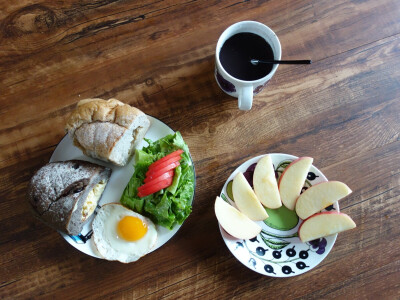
point(58, 190)
point(100, 110)
point(97, 125)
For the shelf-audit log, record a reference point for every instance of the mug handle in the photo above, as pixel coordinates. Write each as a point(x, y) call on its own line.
point(245, 97)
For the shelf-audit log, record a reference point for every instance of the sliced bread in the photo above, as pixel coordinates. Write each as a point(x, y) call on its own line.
point(107, 130)
point(65, 194)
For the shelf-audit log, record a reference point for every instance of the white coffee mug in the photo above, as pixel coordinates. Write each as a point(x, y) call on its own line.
point(242, 89)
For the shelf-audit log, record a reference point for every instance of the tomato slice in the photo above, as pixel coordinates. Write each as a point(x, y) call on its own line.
point(152, 180)
point(166, 157)
point(165, 163)
point(157, 172)
point(155, 187)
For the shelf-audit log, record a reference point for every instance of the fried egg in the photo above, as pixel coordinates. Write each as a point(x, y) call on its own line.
point(121, 234)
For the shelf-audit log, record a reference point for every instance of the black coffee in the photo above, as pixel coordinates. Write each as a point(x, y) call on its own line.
point(239, 49)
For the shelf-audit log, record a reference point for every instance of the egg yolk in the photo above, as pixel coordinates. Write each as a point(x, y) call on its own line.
point(131, 228)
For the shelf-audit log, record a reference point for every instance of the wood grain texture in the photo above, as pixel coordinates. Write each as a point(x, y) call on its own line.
point(343, 110)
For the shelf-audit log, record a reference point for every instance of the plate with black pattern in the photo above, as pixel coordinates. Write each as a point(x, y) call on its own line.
point(278, 251)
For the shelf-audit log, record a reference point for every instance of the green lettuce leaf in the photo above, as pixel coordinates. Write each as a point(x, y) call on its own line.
point(170, 206)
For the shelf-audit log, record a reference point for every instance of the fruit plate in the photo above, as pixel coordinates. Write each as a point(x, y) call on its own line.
point(277, 251)
point(120, 177)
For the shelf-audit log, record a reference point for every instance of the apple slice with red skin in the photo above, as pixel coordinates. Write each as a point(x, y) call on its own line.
point(292, 180)
point(234, 222)
point(320, 196)
point(324, 224)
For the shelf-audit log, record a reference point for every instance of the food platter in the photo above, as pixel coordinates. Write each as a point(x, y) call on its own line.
point(277, 251)
point(120, 176)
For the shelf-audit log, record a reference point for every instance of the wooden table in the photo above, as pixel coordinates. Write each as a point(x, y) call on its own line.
point(343, 110)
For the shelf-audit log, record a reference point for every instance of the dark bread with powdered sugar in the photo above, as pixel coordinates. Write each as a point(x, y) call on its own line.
point(57, 192)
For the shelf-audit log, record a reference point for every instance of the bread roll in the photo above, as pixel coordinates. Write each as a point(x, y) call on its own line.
point(107, 130)
point(65, 194)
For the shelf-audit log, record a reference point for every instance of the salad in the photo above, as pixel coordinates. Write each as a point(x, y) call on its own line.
point(170, 205)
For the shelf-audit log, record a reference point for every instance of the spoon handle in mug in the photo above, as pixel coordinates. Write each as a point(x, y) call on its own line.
point(282, 62)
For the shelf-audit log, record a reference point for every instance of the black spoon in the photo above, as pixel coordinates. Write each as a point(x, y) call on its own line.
point(286, 62)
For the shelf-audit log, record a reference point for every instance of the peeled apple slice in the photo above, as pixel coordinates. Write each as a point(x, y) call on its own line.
point(234, 222)
point(246, 200)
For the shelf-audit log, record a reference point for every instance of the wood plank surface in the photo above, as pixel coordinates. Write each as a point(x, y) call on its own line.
point(343, 110)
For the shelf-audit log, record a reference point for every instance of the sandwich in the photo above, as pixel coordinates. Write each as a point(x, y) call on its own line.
point(65, 194)
point(107, 130)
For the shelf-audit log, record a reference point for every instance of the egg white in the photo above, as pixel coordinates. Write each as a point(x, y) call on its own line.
point(110, 245)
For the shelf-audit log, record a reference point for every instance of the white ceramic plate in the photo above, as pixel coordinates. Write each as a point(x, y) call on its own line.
point(277, 251)
point(120, 176)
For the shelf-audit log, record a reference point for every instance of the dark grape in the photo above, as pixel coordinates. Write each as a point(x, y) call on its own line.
point(291, 252)
point(260, 251)
point(322, 243)
point(321, 250)
point(277, 254)
point(303, 254)
point(287, 270)
point(269, 269)
point(254, 239)
point(311, 176)
point(301, 265)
